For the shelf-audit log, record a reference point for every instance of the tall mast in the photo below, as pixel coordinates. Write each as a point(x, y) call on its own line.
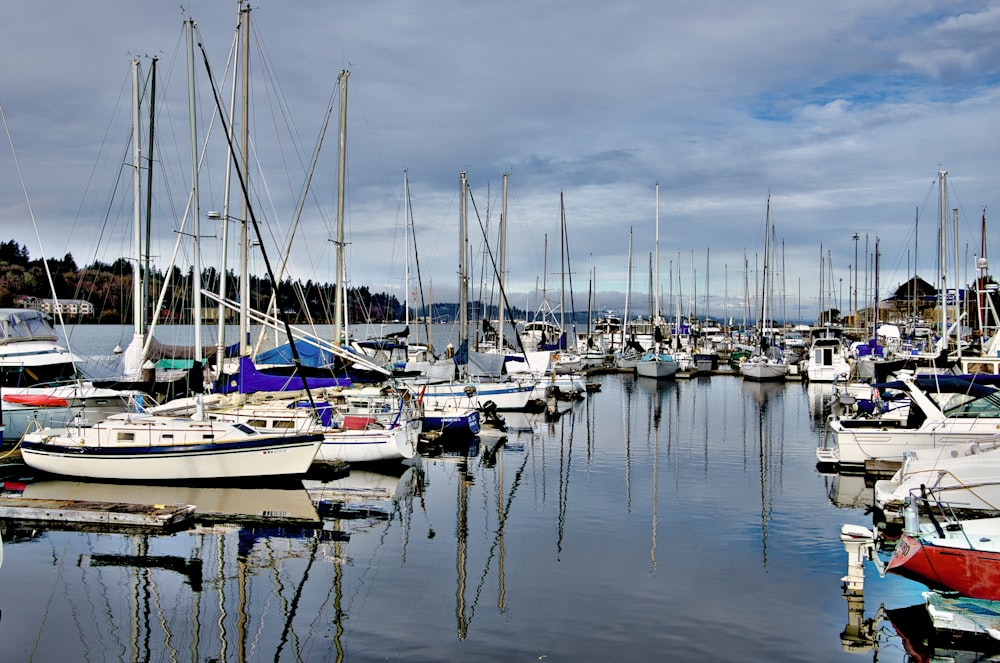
point(463, 283)
point(656, 279)
point(195, 206)
point(958, 282)
point(220, 348)
point(763, 292)
point(503, 263)
point(137, 305)
point(942, 205)
point(406, 251)
point(562, 270)
point(147, 304)
point(340, 300)
point(244, 167)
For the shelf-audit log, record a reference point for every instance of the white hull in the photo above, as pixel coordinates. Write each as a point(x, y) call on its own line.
point(856, 446)
point(505, 395)
point(762, 371)
point(197, 463)
point(146, 447)
point(371, 430)
point(656, 368)
point(370, 445)
point(967, 477)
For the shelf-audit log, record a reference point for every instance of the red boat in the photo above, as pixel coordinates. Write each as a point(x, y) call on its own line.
point(36, 400)
point(962, 556)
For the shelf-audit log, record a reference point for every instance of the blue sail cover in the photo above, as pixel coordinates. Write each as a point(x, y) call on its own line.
point(249, 380)
point(309, 355)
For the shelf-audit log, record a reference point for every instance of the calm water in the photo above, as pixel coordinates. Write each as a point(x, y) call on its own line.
point(650, 521)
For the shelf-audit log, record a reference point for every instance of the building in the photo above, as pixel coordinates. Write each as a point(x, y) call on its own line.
point(74, 309)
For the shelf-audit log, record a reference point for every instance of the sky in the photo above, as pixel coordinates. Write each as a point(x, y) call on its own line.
point(843, 114)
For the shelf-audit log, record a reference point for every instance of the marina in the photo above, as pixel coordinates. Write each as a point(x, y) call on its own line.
point(632, 523)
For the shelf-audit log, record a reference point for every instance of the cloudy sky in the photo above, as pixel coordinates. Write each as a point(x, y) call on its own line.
point(843, 112)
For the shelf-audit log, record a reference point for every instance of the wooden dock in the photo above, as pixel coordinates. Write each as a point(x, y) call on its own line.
point(76, 512)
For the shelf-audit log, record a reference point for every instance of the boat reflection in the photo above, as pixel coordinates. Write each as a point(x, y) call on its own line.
point(962, 634)
point(365, 493)
point(850, 491)
point(820, 400)
point(260, 572)
point(290, 504)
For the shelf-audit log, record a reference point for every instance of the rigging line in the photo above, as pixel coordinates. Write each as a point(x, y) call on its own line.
point(296, 359)
point(408, 217)
point(496, 271)
point(301, 205)
point(38, 237)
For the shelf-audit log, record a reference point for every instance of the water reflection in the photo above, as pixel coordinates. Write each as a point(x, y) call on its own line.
point(258, 575)
point(764, 422)
point(850, 491)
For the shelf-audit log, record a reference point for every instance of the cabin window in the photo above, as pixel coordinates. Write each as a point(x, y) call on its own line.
point(126, 437)
point(984, 406)
point(257, 423)
point(167, 436)
point(284, 424)
point(207, 436)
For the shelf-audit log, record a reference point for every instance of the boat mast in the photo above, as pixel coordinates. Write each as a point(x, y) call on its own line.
point(195, 206)
point(138, 305)
point(463, 283)
point(763, 291)
point(628, 289)
point(220, 349)
point(245, 168)
point(406, 252)
point(503, 263)
point(942, 204)
point(958, 299)
point(148, 312)
point(562, 275)
point(982, 266)
point(340, 300)
point(656, 278)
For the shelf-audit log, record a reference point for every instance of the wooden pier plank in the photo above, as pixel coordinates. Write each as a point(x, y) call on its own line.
point(86, 512)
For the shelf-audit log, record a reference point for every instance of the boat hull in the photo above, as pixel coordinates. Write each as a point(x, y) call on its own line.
point(873, 440)
point(269, 456)
point(370, 445)
point(452, 422)
point(763, 372)
point(505, 395)
point(655, 367)
point(972, 573)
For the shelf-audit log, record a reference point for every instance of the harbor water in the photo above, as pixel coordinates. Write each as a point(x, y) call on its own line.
point(651, 520)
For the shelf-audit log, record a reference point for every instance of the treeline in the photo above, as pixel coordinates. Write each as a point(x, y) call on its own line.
point(108, 287)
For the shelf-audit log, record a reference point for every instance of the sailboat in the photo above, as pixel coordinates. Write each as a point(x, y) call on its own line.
point(656, 363)
point(768, 362)
point(141, 446)
point(489, 388)
point(628, 353)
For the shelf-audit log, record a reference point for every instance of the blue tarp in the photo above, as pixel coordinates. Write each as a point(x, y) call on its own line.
point(309, 355)
point(250, 380)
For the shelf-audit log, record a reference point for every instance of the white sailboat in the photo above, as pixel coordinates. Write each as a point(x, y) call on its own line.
point(767, 363)
point(656, 363)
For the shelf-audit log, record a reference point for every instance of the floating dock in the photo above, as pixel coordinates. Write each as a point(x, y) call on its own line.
point(119, 514)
